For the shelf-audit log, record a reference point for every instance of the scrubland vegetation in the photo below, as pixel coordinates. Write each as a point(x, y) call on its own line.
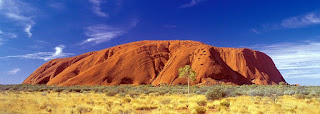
point(163, 99)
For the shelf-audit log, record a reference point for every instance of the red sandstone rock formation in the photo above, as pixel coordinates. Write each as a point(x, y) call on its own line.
point(157, 62)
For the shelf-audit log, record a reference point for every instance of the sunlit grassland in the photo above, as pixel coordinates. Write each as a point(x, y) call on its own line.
point(91, 102)
point(159, 100)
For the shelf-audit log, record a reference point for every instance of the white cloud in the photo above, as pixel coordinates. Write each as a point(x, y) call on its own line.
point(7, 35)
point(255, 31)
point(308, 19)
point(191, 3)
point(4, 36)
point(101, 33)
point(17, 17)
point(133, 23)
point(16, 10)
point(11, 35)
point(96, 8)
point(302, 21)
point(44, 55)
point(1, 41)
point(28, 30)
point(14, 71)
point(170, 26)
point(56, 5)
point(295, 60)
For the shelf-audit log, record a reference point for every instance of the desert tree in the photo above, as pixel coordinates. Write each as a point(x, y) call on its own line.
point(189, 73)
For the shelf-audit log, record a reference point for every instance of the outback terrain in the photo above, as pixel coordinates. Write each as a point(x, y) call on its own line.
point(160, 77)
point(256, 99)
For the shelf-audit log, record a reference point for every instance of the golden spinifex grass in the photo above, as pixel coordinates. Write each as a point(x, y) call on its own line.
point(92, 102)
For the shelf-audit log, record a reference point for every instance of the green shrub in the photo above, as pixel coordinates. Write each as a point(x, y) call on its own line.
point(162, 92)
point(78, 90)
point(256, 92)
point(289, 92)
point(215, 93)
point(283, 83)
point(58, 90)
point(122, 94)
point(202, 103)
point(234, 94)
point(133, 94)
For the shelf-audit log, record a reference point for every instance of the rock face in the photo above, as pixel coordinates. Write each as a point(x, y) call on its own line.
point(157, 62)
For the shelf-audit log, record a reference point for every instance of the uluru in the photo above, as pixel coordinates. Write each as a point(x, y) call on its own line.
point(157, 62)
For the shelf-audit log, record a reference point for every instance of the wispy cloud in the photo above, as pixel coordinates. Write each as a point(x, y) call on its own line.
point(191, 3)
point(44, 55)
point(169, 26)
point(1, 41)
point(295, 60)
point(5, 35)
point(302, 21)
point(255, 31)
point(14, 71)
point(18, 11)
point(56, 5)
point(96, 8)
point(305, 20)
point(28, 30)
point(102, 33)
point(266, 28)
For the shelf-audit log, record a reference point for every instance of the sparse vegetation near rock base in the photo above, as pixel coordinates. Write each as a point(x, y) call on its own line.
point(165, 99)
point(91, 102)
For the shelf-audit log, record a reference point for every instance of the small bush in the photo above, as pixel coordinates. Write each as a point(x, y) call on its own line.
point(181, 107)
point(162, 92)
point(234, 94)
point(256, 92)
point(143, 107)
point(122, 94)
point(282, 83)
point(58, 90)
point(289, 92)
point(44, 93)
point(299, 96)
point(127, 100)
point(211, 106)
point(216, 93)
point(165, 101)
point(111, 93)
point(76, 90)
point(202, 103)
point(133, 94)
point(200, 109)
point(225, 103)
point(84, 109)
point(49, 109)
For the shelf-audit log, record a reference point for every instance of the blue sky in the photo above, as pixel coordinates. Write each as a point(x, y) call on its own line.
point(35, 31)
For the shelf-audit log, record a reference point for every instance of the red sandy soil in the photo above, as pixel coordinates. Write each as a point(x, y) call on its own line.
point(157, 62)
